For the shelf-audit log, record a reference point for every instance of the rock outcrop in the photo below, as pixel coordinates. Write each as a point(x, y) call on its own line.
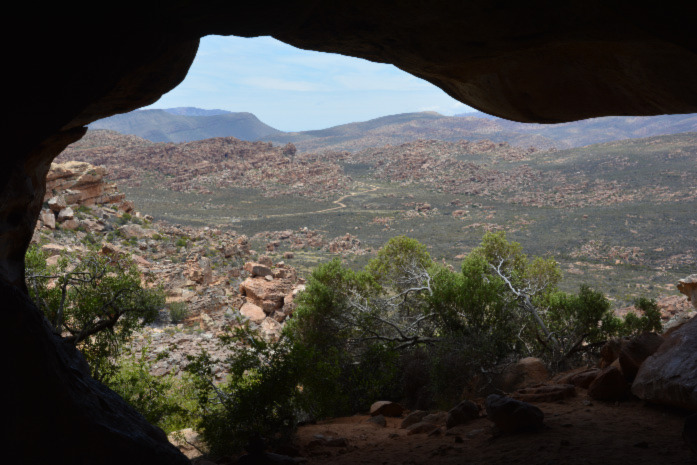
point(670, 375)
point(79, 183)
point(688, 286)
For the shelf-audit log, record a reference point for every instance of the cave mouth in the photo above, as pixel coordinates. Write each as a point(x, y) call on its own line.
point(606, 60)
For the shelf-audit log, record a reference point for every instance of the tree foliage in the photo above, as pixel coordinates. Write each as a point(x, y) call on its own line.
point(94, 302)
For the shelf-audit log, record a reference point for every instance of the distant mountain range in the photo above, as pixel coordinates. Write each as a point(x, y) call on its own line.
point(189, 124)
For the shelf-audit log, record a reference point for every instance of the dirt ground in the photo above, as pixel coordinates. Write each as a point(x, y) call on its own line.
point(578, 431)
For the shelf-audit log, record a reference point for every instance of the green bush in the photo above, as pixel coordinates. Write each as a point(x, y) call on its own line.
point(95, 302)
point(166, 401)
point(178, 311)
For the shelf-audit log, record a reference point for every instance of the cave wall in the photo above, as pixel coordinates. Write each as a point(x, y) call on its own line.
point(535, 61)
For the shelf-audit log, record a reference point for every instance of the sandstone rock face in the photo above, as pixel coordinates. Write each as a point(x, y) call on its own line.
point(510, 415)
point(79, 183)
point(669, 376)
point(688, 286)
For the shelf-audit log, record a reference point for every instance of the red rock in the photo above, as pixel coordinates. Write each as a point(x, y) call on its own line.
point(688, 286)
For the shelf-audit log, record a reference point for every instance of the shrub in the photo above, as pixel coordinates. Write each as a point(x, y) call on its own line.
point(178, 311)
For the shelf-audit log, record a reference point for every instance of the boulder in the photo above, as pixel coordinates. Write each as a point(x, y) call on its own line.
point(423, 427)
point(636, 350)
point(386, 408)
point(462, 413)
point(669, 376)
point(526, 372)
point(70, 224)
point(56, 204)
point(437, 418)
point(609, 352)
point(548, 393)
point(137, 231)
point(378, 420)
point(65, 214)
point(610, 384)
point(510, 415)
point(48, 219)
point(253, 312)
point(257, 269)
point(414, 417)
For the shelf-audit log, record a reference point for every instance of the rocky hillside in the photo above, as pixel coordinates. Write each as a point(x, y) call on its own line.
point(209, 164)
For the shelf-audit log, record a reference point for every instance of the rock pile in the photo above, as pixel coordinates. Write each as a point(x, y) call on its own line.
point(269, 293)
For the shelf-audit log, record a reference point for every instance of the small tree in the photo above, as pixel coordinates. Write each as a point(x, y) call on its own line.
point(94, 303)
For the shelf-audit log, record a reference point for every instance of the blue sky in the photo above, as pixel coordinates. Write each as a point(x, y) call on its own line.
point(294, 90)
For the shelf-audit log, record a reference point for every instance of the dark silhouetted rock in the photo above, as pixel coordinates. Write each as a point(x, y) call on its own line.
point(689, 432)
point(670, 375)
point(378, 420)
point(462, 413)
point(635, 351)
point(582, 379)
point(510, 415)
point(422, 427)
point(610, 384)
point(413, 418)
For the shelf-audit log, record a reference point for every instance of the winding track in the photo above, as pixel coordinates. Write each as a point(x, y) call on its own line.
point(338, 202)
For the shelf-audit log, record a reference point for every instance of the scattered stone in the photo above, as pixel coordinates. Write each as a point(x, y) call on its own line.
point(635, 351)
point(288, 255)
point(386, 408)
point(669, 376)
point(462, 413)
point(378, 420)
point(610, 384)
point(70, 224)
point(510, 415)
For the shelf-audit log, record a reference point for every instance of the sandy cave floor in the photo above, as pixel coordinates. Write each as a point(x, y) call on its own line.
point(579, 431)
